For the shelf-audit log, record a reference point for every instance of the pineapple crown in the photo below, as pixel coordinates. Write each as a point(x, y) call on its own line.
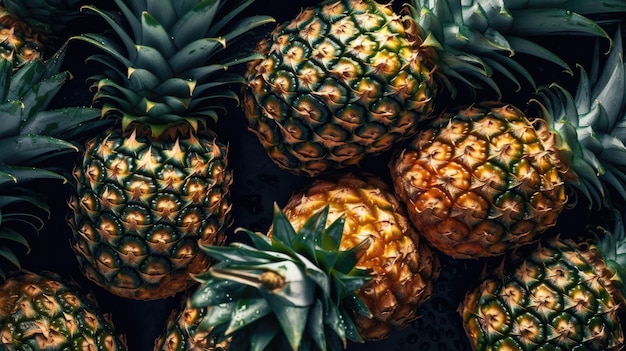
point(591, 126)
point(475, 39)
point(31, 133)
point(295, 290)
point(169, 63)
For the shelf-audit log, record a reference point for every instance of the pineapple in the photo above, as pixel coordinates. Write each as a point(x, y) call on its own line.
point(347, 79)
point(293, 291)
point(401, 270)
point(153, 187)
point(484, 179)
point(563, 295)
point(47, 312)
point(31, 135)
point(403, 267)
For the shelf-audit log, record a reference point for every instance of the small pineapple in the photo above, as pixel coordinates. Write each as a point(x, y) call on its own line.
point(44, 311)
point(351, 78)
point(293, 291)
point(484, 179)
point(403, 267)
point(562, 295)
point(153, 187)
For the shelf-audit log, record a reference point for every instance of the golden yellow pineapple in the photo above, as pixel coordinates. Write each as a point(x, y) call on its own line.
point(340, 262)
point(403, 267)
point(486, 178)
point(481, 181)
point(293, 290)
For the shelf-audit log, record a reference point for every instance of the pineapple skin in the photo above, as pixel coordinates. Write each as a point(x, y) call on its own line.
point(403, 267)
point(44, 311)
point(481, 181)
point(559, 297)
point(143, 206)
point(339, 82)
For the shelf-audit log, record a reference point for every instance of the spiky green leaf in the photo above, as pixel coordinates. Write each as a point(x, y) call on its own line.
point(292, 319)
point(10, 256)
point(154, 35)
point(14, 236)
point(185, 30)
point(247, 310)
point(218, 292)
point(263, 336)
point(26, 148)
point(553, 21)
point(65, 123)
point(109, 46)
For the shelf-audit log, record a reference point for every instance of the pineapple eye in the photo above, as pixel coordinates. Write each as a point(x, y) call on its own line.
point(108, 227)
point(332, 93)
point(190, 220)
point(155, 266)
point(112, 195)
point(95, 172)
point(195, 190)
point(165, 205)
point(343, 30)
point(386, 63)
point(530, 328)
point(132, 246)
point(118, 167)
point(369, 22)
point(161, 237)
point(139, 186)
point(326, 51)
point(135, 216)
point(91, 320)
point(347, 69)
point(362, 46)
point(312, 30)
point(274, 108)
point(495, 316)
point(309, 75)
point(171, 178)
point(296, 53)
